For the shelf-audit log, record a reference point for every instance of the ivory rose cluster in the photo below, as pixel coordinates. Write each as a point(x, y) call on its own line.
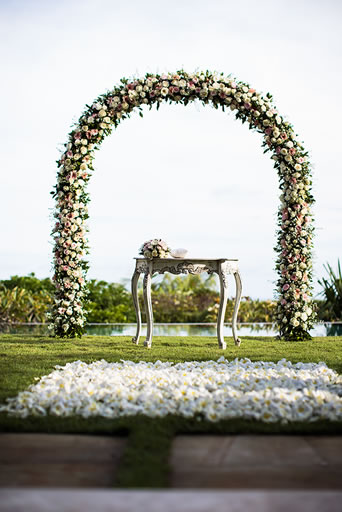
point(295, 314)
point(155, 248)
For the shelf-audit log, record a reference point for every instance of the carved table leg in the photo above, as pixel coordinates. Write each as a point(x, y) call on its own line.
point(148, 309)
point(223, 304)
point(135, 280)
point(236, 307)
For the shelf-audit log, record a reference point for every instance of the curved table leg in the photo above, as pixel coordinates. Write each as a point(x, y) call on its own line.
point(223, 304)
point(135, 280)
point(236, 307)
point(148, 309)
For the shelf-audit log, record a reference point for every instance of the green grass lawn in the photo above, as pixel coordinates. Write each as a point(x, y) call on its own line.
point(22, 358)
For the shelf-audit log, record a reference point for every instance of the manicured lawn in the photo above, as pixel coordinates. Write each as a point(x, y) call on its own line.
point(22, 358)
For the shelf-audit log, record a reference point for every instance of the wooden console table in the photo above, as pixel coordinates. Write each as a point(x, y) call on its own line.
point(223, 267)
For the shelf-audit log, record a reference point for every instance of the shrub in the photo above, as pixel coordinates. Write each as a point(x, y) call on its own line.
point(331, 307)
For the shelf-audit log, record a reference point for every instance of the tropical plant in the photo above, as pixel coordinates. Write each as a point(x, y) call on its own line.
point(20, 305)
point(331, 307)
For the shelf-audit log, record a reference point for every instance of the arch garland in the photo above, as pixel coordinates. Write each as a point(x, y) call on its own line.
point(295, 313)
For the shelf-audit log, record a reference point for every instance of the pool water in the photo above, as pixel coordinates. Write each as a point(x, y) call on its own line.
point(256, 329)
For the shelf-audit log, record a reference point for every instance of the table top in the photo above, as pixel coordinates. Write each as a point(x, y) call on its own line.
point(186, 259)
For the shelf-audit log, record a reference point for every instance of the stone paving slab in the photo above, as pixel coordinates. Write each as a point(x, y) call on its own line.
point(257, 462)
point(59, 460)
point(78, 500)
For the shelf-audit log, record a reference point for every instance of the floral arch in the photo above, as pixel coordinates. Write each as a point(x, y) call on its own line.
point(295, 313)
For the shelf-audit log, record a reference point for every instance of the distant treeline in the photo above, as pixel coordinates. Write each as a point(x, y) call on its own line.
point(181, 299)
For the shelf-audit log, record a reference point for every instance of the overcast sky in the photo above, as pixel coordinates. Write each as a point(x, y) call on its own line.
point(193, 176)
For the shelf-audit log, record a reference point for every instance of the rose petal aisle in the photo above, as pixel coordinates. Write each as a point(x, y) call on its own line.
point(211, 390)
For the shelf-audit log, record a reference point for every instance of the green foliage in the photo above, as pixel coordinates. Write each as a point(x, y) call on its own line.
point(179, 299)
point(331, 307)
point(109, 303)
point(194, 299)
point(20, 305)
point(30, 283)
point(25, 299)
point(185, 284)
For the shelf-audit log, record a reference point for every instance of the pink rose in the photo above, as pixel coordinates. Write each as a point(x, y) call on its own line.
point(286, 287)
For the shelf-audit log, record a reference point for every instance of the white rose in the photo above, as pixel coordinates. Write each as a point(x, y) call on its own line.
point(102, 113)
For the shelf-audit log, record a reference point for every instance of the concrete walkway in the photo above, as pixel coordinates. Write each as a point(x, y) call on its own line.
point(97, 500)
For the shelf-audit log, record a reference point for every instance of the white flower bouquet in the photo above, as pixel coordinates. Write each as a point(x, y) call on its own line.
point(155, 248)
